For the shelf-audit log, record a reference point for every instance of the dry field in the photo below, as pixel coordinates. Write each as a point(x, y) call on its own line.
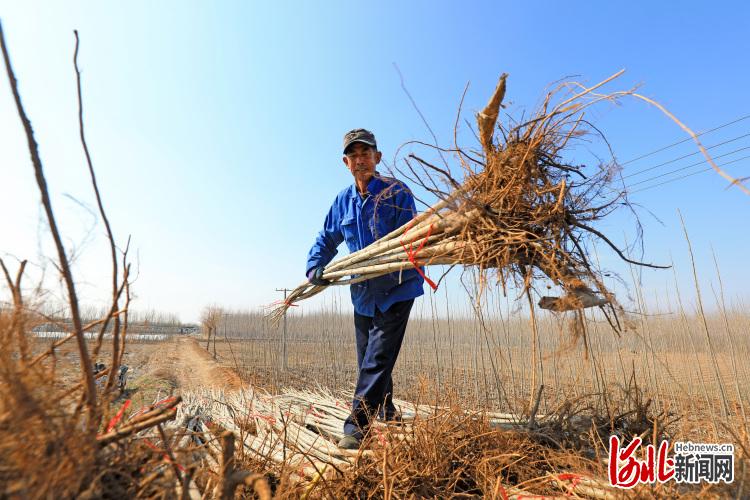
point(680, 364)
point(464, 364)
point(686, 370)
point(156, 369)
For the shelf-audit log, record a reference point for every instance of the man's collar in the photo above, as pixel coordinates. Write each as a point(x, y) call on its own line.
point(376, 184)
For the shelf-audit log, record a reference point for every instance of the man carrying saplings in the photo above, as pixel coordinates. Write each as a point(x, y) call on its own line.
point(370, 208)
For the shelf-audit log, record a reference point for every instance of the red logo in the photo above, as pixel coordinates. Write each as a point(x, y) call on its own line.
point(626, 471)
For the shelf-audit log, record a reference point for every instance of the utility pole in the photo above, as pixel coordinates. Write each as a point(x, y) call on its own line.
point(283, 333)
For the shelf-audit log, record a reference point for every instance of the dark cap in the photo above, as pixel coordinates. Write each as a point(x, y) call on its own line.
point(359, 135)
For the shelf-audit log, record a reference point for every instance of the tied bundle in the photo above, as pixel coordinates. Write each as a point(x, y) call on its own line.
point(520, 211)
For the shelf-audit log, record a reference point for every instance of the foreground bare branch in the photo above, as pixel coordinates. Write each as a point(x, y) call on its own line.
point(64, 264)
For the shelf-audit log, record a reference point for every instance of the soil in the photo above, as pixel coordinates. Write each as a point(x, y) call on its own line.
point(188, 365)
point(155, 369)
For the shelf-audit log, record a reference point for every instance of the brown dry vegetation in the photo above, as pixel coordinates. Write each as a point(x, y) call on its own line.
point(60, 438)
point(663, 371)
point(489, 364)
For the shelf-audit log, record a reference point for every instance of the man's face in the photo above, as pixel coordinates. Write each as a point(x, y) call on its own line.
point(361, 160)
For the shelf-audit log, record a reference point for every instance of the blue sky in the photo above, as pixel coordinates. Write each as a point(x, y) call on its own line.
point(215, 128)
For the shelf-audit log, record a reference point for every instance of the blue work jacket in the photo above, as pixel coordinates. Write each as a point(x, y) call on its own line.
point(360, 220)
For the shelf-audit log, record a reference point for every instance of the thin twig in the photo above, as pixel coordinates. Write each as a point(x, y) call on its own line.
point(85, 360)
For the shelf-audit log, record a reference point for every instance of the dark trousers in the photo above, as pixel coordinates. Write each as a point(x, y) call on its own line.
point(378, 344)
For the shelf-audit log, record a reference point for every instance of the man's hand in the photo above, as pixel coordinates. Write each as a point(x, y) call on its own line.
point(315, 276)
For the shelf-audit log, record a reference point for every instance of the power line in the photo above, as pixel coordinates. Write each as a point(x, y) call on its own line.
point(685, 156)
point(693, 165)
point(685, 176)
point(686, 139)
point(672, 180)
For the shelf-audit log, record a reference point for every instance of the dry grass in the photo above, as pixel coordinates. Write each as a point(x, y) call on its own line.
point(663, 369)
point(490, 363)
point(437, 452)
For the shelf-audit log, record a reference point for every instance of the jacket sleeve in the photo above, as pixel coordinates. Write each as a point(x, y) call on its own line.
point(330, 237)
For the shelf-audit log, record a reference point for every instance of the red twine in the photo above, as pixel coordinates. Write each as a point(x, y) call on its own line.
point(503, 493)
point(314, 412)
point(411, 254)
point(163, 453)
point(116, 419)
point(267, 418)
point(154, 406)
point(574, 479)
point(380, 436)
point(287, 303)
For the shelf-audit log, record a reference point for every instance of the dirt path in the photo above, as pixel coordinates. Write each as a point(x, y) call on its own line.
point(188, 366)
